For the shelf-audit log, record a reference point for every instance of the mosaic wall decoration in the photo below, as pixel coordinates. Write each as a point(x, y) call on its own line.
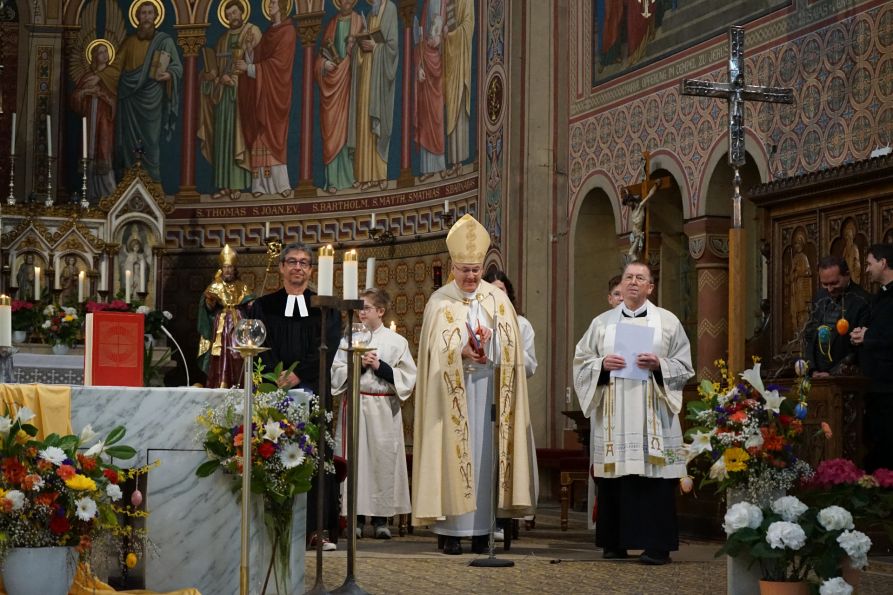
point(841, 71)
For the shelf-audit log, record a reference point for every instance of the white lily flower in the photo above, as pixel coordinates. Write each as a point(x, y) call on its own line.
point(773, 400)
point(87, 435)
point(5, 426)
point(96, 449)
point(753, 378)
point(24, 415)
point(700, 442)
point(272, 431)
point(718, 470)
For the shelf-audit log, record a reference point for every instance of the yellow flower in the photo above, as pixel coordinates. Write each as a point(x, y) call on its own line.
point(735, 459)
point(68, 318)
point(22, 437)
point(81, 483)
point(130, 560)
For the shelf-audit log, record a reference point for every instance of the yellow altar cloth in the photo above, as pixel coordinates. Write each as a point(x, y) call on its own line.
point(50, 402)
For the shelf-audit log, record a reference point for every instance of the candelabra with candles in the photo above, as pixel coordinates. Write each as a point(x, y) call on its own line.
point(84, 204)
point(11, 199)
point(50, 199)
point(447, 218)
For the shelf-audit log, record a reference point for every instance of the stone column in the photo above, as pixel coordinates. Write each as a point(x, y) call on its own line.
point(708, 244)
point(309, 25)
point(407, 9)
point(191, 40)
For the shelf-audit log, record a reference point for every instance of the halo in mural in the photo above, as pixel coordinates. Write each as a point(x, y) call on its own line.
point(135, 6)
point(88, 52)
point(285, 12)
point(221, 12)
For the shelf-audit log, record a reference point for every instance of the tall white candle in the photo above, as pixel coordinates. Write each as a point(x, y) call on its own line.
point(57, 279)
point(370, 273)
point(144, 273)
point(128, 282)
point(267, 229)
point(82, 286)
point(372, 222)
point(350, 278)
point(393, 326)
point(103, 274)
point(84, 137)
point(12, 142)
point(49, 137)
point(326, 270)
point(5, 321)
point(36, 283)
point(446, 206)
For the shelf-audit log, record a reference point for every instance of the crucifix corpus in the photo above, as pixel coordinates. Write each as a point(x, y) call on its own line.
point(736, 92)
point(635, 196)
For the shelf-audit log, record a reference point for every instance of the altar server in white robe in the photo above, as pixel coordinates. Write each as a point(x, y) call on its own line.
point(452, 460)
point(388, 378)
point(636, 440)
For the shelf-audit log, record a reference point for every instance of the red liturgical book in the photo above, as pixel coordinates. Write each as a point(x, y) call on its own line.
point(113, 354)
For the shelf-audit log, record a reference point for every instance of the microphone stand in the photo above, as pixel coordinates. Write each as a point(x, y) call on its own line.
point(492, 561)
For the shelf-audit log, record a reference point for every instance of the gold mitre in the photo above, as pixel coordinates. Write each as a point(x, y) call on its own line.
point(227, 256)
point(468, 241)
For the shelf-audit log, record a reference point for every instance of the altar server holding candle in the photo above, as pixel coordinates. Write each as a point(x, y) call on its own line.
point(388, 377)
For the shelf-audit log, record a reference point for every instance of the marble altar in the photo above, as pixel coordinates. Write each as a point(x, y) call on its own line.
point(195, 524)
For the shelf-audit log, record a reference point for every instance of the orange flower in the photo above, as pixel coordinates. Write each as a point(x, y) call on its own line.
point(771, 440)
point(87, 463)
point(66, 471)
point(30, 481)
point(46, 499)
point(738, 417)
point(237, 440)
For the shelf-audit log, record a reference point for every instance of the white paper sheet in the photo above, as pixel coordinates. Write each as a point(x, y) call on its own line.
point(629, 341)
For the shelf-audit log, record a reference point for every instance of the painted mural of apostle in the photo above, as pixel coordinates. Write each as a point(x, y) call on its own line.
point(95, 97)
point(376, 74)
point(337, 89)
point(148, 93)
point(220, 127)
point(458, 32)
point(429, 110)
point(265, 90)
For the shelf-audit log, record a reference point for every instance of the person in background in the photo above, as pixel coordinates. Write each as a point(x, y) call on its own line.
point(501, 280)
point(826, 351)
point(615, 296)
point(388, 378)
point(876, 356)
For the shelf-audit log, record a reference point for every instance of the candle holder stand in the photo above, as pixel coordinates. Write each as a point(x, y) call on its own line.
point(51, 197)
point(447, 219)
point(103, 295)
point(7, 374)
point(327, 305)
point(84, 204)
point(11, 198)
point(142, 295)
point(248, 352)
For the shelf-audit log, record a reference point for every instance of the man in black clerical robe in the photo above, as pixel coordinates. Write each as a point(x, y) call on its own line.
point(294, 329)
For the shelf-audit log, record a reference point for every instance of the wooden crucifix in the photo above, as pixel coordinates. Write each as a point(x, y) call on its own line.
point(736, 92)
point(635, 196)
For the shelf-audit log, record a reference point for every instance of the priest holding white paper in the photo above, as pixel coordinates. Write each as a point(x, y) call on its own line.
point(629, 371)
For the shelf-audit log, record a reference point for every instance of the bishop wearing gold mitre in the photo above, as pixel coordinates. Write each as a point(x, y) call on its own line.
point(469, 342)
point(219, 310)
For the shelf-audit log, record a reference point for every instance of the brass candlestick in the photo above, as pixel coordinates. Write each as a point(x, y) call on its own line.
point(50, 199)
point(11, 199)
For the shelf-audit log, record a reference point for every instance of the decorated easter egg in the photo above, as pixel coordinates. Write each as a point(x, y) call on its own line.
point(801, 367)
point(843, 325)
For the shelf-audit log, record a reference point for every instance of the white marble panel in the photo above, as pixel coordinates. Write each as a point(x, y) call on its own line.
point(195, 524)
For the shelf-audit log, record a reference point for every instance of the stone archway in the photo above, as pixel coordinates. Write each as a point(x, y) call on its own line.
point(595, 259)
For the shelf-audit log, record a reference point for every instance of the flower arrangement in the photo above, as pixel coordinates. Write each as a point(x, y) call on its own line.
point(155, 319)
point(283, 453)
point(53, 495)
point(868, 496)
point(61, 325)
point(790, 539)
point(747, 433)
point(24, 315)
